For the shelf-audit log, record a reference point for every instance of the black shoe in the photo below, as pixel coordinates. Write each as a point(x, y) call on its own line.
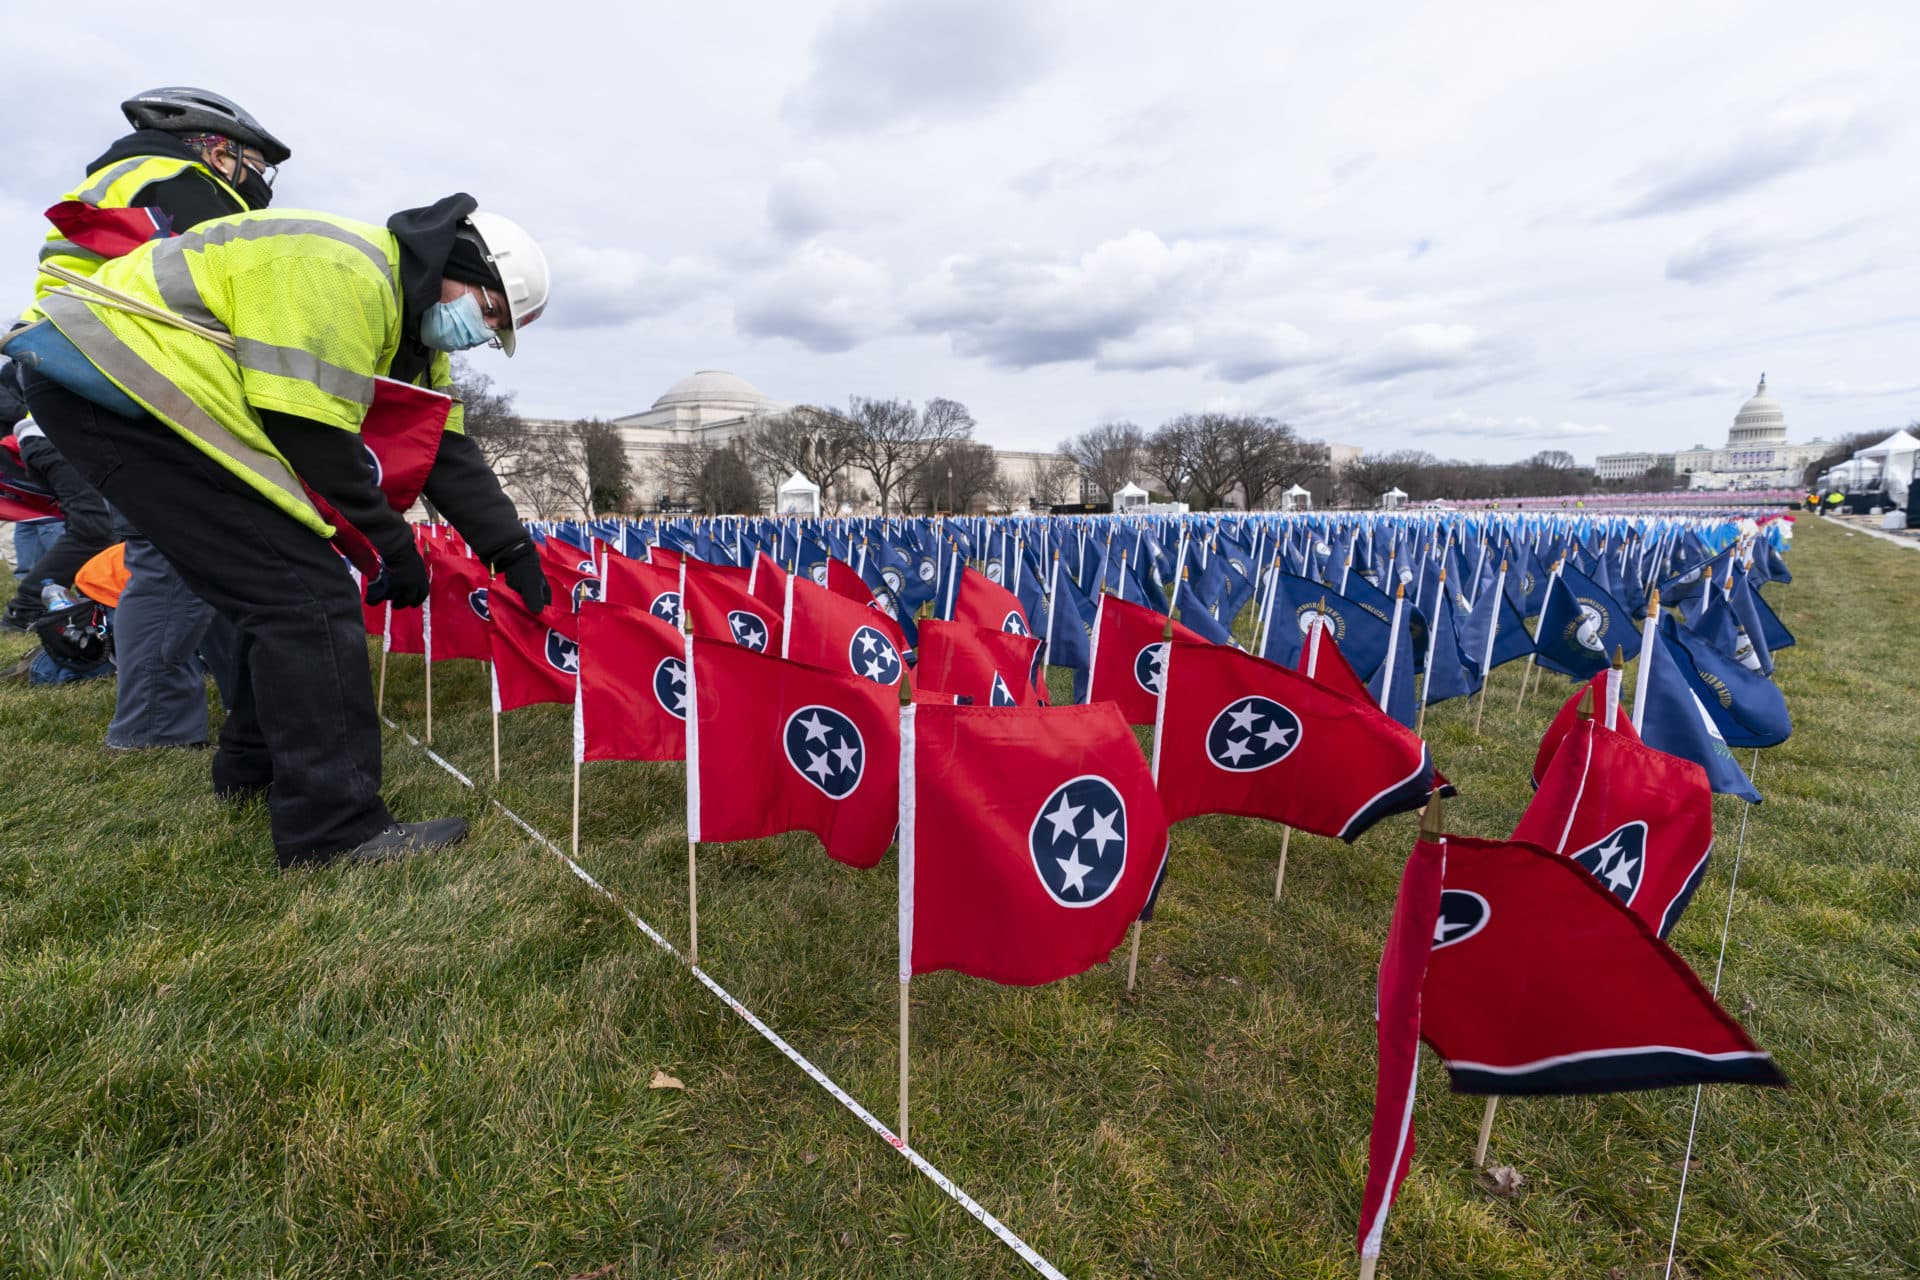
point(21, 615)
point(404, 839)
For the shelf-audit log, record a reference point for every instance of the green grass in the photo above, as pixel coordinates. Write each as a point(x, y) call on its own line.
point(441, 1069)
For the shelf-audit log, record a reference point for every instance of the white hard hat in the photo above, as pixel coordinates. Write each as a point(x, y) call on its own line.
point(524, 275)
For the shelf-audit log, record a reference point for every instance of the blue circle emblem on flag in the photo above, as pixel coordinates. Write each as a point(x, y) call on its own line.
point(1463, 913)
point(1014, 625)
point(1150, 667)
point(666, 605)
point(872, 656)
point(373, 464)
point(891, 576)
point(818, 573)
point(1589, 628)
point(1079, 841)
point(562, 654)
point(1618, 861)
point(927, 570)
point(670, 686)
point(584, 590)
point(587, 566)
point(995, 573)
point(826, 749)
point(1252, 733)
point(749, 629)
point(477, 601)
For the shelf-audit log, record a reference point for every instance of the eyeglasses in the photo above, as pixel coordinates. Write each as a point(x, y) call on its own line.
point(494, 314)
point(258, 163)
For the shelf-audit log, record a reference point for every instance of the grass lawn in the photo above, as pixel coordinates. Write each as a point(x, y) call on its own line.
point(442, 1069)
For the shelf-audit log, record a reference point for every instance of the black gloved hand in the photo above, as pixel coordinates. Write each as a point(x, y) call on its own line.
point(519, 564)
point(402, 581)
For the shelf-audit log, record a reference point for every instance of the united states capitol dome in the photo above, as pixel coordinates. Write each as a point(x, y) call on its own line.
point(1760, 421)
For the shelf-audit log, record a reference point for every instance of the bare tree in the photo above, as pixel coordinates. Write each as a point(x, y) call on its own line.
point(727, 486)
point(807, 439)
point(1168, 457)
point(682, 465)
point(888, 438)
point(952, 476)
point(1055, 479)
point(1108, 455)
point(504, 438)
point(1374, 473)
point(552, 478)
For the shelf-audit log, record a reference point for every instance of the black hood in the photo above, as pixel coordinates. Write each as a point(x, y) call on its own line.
point(146, 142)
point(426, 238)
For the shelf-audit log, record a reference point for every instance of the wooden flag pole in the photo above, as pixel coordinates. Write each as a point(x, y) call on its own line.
point(1133, 956)
point(1280, 876)
point(381, 700)
point(693, 905)
point(1366, 1267)
point(903, 1064)
point(1486, 1132)
point(1525, 676)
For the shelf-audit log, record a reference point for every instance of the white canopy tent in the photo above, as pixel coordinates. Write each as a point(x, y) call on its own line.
point(798, 496)
point(1892, 459)
point(1130, 497)
point(1296, 499)
point(1393, 499)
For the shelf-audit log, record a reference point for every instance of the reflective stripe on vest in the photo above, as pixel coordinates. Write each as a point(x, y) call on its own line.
point(156, 392)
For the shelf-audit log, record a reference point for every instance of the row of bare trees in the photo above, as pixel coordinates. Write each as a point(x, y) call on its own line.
point(1208, 460)
point(558, 470)
point(1422, 476)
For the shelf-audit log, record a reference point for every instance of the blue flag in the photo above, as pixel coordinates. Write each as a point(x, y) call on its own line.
point(1677, 722)
point(1749, 708)
point(1580, 625)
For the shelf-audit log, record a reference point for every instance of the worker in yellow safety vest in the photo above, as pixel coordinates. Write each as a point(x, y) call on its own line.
point(216, 375)
point(192, 155)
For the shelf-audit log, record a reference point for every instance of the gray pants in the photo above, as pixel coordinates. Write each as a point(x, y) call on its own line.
point(160, 629)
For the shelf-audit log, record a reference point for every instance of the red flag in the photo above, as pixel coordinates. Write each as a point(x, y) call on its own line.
point(401, 433)
point(1537, 981)
point(108, 233)
point(825, 629)
point(535, 659)
point(1239, 734)
point(985, 603)
point(1129, 657)
point(767, 582)
point(844, 580)
point(633, 686)
point(406, 631)
point(1541, 981)
point(1334, 671)
point(988, 668)
point(1639, 820)
point(1568, 716)
point(1030, 840)
point(457, 594)
point(719, 607)
point(775, 746)
point(574, 574)
point(642, 584)
point(1403, 967)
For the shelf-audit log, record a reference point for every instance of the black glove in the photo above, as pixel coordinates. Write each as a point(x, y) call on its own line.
point(519, 564)
point(402, 581)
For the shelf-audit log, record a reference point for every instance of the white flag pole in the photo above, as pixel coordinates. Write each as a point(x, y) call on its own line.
point(1393, 645)
point(1649, 634)
point(1493, 629)
point(907, 785)
point(1159, 723)
point(426, 628)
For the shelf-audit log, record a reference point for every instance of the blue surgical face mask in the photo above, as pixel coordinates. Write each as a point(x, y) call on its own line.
point(454, 326)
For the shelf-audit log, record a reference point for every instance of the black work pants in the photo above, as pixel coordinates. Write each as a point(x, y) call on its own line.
point(301, 721)
point(89, 524)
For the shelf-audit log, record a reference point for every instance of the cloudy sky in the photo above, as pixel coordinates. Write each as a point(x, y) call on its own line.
point(1478, 229)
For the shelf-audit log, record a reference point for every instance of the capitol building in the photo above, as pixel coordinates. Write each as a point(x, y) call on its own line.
point(1756, 455)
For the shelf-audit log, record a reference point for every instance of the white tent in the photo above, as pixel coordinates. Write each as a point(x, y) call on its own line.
point(1130, 498)
point(1892, 460)
point(1393, 499)
point(798, 496)
point(1296, 499)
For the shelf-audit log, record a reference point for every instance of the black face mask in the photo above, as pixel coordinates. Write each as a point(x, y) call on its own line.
point(253, 189)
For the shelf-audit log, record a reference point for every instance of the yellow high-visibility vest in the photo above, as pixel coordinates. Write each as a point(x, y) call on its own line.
point(312, 302)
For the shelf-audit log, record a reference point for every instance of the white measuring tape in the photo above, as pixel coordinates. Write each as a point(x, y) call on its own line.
point(772, 1037)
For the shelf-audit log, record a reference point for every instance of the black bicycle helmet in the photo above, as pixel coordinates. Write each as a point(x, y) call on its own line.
point(182, 109)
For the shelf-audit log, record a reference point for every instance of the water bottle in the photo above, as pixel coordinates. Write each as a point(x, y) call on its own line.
point(54, 597)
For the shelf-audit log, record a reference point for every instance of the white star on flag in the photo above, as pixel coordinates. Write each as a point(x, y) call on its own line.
point(1062, 818)
point(816, 728)
point(1102, 832)
point(1074, 872)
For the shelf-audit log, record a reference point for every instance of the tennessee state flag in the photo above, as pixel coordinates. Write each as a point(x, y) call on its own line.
point(1130, 658)
point(1639, 820)
point(775, 746)
point(1238, 734)
point(720, 607)
point(642, 584)
point(457, 596)
point(988, 668)
point(826, 629)
point(535, 659)
point(982, 602)
point(1568, 716)
point(841, 578)
point(1029, 839)
point(1537, 981)
point(406, 630)
point(574, 573)
point(632, 700)
point(767, 581)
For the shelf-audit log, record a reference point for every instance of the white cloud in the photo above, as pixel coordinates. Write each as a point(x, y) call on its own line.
point(825, 299)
